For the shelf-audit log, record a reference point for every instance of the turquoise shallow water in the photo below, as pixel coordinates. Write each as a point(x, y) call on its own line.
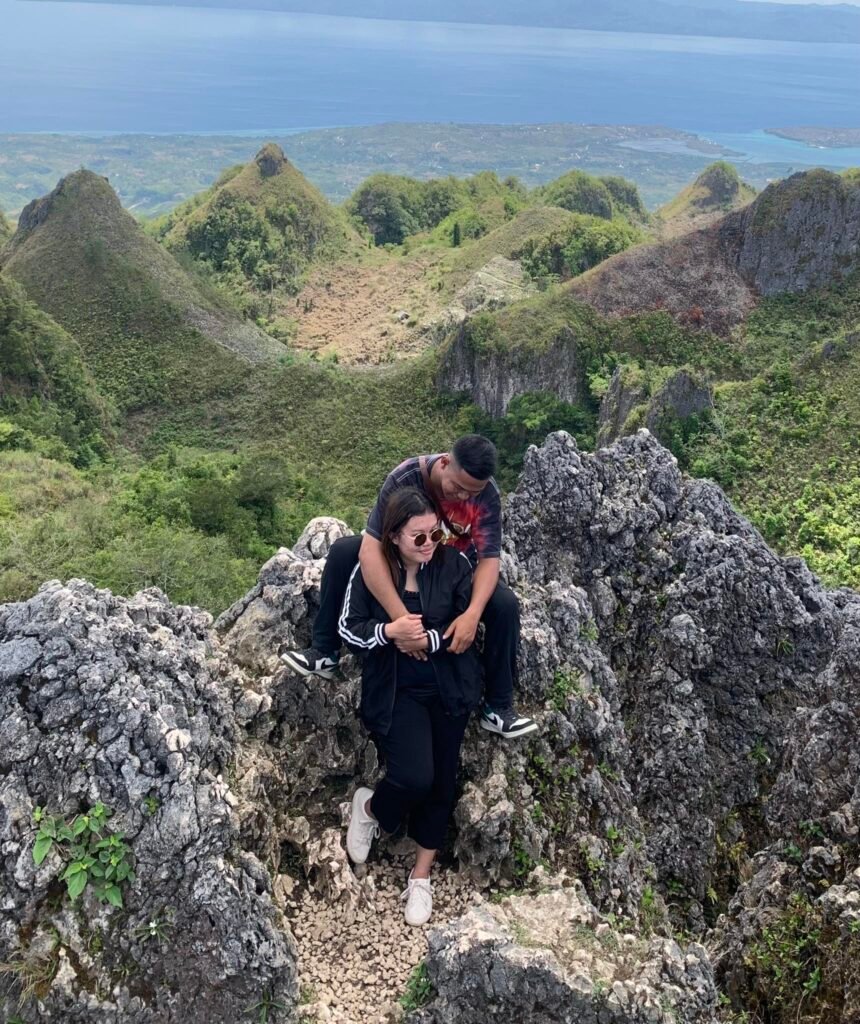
point(758, 147)
point(86, 67)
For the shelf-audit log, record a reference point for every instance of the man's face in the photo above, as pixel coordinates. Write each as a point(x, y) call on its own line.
point(457, 485)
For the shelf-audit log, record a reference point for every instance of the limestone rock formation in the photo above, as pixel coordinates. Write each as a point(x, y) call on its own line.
point(117, 701)
point(497, 284)
point(665, 652)
point(716, 191)
point(630, 403)
point(806, 880)
point(495, 375)
point(552, 958)
point(800, 233)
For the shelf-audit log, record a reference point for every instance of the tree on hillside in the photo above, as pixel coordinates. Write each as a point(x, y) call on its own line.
point(625, 197)
point(577, 247)
point(580, 193)
point(5, 228)
point(456, 236)
point(389, 207)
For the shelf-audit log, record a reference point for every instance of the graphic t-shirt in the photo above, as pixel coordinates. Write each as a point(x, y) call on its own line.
point(476, 524)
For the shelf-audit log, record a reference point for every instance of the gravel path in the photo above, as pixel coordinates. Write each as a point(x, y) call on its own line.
point(354, 965)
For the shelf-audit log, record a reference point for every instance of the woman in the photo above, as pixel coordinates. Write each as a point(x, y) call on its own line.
point(415, 704)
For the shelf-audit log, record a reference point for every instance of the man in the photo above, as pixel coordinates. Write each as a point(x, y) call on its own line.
point(461, 486)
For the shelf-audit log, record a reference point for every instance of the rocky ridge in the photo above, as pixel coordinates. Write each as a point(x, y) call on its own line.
point(690, 687)
point(798, 234)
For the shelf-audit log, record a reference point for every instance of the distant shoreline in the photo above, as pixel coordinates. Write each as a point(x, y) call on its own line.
point(819, 138)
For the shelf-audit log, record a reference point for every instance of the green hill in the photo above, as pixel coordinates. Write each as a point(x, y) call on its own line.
point(604, 197)
point(48, 400)
point(508, 240)
point(392, 207)
point(150, 334)
point(259, 228)
point(718, 190)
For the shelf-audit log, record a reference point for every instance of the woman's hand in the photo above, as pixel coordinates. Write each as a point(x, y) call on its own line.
point(406, 629)
point(414, 648)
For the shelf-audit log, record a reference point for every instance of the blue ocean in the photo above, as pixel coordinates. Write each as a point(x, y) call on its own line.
point(69, 67)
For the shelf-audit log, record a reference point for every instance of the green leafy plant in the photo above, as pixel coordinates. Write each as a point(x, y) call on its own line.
point(565, 684)
point(419, 989)
point(759, 754)
point(157, 928)
point(589, 631)
point(92, 855)
point(151, 804)
point(264, 1006)
point(616, 840)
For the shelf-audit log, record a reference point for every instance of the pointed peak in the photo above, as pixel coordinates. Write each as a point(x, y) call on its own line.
point(73, 186)
point(270, 160)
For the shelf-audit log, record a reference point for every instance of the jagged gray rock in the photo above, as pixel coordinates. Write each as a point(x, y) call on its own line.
point(665, 652)
point(631, 402)
point(119, 701)
point(553, 959)
point(494, 375)
point(812, 817)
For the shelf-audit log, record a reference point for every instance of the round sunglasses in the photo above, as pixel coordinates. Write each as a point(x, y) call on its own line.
point(420, 539)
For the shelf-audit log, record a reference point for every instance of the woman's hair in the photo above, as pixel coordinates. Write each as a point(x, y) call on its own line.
point(403, 504)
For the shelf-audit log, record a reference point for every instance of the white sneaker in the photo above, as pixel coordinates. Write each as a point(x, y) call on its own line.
point(362, 828)
point(419, 900)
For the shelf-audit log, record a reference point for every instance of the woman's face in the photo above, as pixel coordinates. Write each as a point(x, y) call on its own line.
point(413, 529)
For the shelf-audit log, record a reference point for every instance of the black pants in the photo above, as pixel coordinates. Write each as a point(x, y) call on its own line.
point(501, 619)
point(422, 751)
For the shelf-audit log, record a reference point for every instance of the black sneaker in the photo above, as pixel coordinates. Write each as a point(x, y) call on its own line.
point(310, 662)
point(506, 722)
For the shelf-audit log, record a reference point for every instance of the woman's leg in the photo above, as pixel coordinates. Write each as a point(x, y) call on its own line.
point(408, 752)
point(423, 862)
point(428, 821)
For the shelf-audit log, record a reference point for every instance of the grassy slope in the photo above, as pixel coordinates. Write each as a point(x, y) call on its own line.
point(717, 190)
point(328, 435)
point(506, 240)
point(299, 216)
point(48, 399)
point(785, 443)
point(124, 298)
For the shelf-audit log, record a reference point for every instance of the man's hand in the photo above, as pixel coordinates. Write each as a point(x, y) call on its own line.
point(462, 630)
point(407, 628)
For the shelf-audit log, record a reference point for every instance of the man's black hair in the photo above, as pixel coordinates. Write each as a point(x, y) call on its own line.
point(476, 455)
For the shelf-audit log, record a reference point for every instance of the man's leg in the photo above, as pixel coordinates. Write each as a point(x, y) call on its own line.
point(320, 659)
point(342, 558)
point(501, 620)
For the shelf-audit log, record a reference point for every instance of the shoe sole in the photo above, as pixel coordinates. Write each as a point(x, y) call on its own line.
point(303, 670)
point(514, 734)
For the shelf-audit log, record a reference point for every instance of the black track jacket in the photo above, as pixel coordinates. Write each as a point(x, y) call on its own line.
point(445, 588)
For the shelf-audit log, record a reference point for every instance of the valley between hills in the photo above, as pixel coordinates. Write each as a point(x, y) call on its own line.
point(194, 387)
